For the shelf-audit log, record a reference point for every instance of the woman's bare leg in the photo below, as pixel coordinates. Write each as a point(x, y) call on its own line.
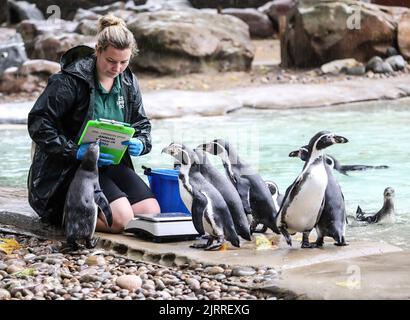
point(147, 206)
point(122, 213)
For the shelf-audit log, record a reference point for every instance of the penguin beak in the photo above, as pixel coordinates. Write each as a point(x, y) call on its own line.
point(294, 154)
point(165, 150)
point(339, 139)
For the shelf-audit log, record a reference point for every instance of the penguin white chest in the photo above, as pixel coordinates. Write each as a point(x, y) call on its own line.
point(185, 195)
point(304, 208)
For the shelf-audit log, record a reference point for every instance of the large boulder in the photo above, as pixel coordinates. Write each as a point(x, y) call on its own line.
point(22, 10)
point(3, 13)
point(12, 53)
point(227, 3)
point(259, 23)
point(403, 36)
point(31, 30)
point(319, 31)
point(52, 47)
point(67, 9)
point(191, 41)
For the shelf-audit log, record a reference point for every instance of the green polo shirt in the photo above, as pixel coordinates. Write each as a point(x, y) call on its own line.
point(109, 105)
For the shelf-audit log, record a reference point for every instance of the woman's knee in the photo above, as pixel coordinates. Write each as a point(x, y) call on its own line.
point(148, 206)
point(122, 213)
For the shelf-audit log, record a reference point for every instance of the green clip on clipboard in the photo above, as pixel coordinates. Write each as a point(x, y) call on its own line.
point(111, 133)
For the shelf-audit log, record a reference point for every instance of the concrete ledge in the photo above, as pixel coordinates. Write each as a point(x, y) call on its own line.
point(177, 103)
point(362, 270)
point(281, 256)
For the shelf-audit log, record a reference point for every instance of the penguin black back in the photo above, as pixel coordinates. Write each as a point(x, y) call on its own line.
point(228, 192)
point(255, 195)
point(210, 213)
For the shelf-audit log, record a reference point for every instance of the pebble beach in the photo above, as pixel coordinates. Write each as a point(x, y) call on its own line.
point(37, 270)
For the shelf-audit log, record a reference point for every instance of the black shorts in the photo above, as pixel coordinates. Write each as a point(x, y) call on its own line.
point(120, 181)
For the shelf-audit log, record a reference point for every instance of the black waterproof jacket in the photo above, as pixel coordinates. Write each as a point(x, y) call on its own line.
point(55, 124)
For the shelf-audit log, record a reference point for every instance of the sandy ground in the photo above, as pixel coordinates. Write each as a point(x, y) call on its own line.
point(265, 70)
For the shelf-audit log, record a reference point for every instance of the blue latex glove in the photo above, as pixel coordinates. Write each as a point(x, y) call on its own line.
point(104, 159)
point(135, 146)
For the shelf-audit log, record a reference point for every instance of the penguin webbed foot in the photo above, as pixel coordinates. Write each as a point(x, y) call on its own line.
point(308, 245)
point(319, 242)
point(216, 246)
point(70, 246)
point(305, 241)
point(341, 242)
point(91, 243)
point(202, 245)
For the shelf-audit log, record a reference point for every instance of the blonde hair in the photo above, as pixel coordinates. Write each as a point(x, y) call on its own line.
point(112, 31)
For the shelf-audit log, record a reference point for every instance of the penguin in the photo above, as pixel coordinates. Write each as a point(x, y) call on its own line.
point(83, 199)
point(210, 213)
point(355, 167)
point(337, 165)
point(333, 220)
point(385, 215)
point(276, 196)
point(228, 192)
point(277, 201)
point(304, 199)
point(255, 195)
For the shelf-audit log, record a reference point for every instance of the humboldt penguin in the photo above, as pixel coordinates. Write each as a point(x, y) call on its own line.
point(277, 197)
point(210, 213)
point(255, 195)
point(304, 199)
point(277, 201)
point(228, 192)
point(332, 222)
point(385, 214)
point(83, 199)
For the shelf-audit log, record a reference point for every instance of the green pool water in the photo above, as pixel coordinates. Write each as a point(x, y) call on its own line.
point(378, 133)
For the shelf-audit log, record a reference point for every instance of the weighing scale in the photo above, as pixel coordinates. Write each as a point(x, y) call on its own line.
point(162, 227)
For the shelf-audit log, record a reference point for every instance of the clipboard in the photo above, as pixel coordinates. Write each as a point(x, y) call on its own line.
point(111, 133)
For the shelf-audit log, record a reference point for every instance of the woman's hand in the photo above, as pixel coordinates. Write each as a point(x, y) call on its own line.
point(104, 159)
point(135, 146)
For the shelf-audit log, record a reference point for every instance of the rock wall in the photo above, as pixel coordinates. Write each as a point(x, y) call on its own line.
point(320, 31)
point(227, 3)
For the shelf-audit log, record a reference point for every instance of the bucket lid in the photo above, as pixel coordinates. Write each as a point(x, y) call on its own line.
point(163, 172)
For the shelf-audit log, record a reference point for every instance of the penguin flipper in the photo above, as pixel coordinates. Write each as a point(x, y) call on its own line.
point(244, 190)
point(360, 214)
point(104, 205)
point(197, 215)
point(285, 233)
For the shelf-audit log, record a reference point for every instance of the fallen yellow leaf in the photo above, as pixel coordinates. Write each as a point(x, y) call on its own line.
point(8, 245)
point(348, 284)
point(262, 243)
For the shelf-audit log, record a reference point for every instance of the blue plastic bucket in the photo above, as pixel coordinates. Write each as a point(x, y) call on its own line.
point(164, 185)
